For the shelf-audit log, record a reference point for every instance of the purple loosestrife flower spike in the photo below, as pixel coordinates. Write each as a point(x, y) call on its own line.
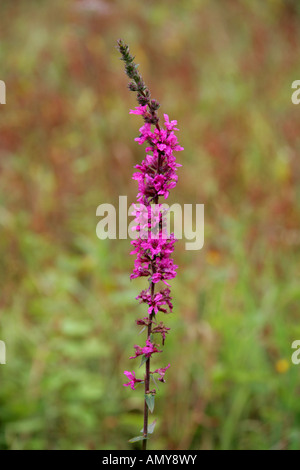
point(156, 176)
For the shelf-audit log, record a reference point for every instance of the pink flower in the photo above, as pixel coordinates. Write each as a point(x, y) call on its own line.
point(170, 125)
point(145, 133)
point(158, 171)
point(139, 110)
point(161, 373)
point(155, 304)
point(163, 330)
point(132, 379)
point(147, 350)
point(154, 253)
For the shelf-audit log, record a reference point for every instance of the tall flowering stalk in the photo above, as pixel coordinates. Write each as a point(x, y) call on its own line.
point(153, 247)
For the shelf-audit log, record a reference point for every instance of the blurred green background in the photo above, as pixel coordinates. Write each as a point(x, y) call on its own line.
point(224, 70)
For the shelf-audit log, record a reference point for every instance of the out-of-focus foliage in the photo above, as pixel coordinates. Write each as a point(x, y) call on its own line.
point(224, 70)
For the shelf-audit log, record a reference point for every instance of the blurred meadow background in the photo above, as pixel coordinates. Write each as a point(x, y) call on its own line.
point(67, 307)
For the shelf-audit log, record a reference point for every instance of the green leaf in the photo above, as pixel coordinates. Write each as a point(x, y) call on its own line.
point(150, 427)
point(154, 381)
point(144, 359)
point(137, 438)
point(150, 400)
